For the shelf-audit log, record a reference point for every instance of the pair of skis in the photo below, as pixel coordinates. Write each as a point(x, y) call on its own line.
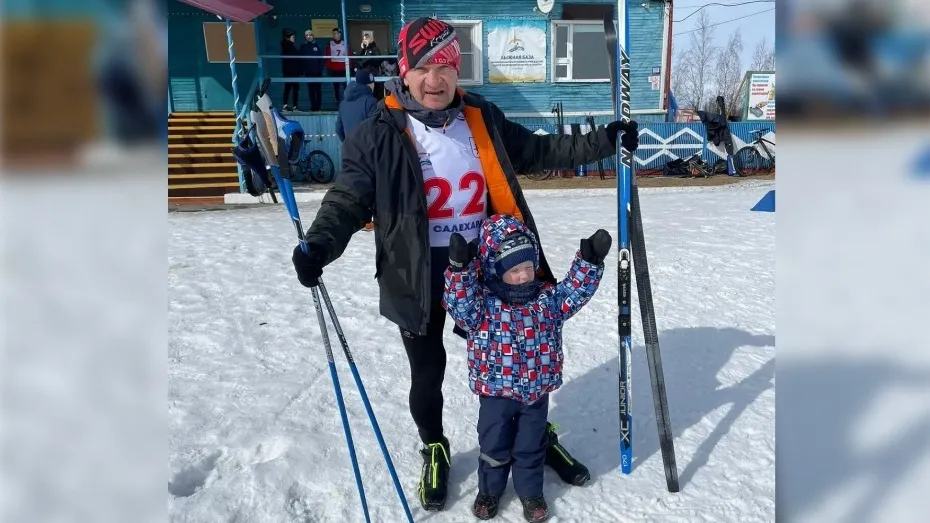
point(630, 221)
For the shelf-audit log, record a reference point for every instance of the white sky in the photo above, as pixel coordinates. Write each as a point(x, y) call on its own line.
point(753, 28)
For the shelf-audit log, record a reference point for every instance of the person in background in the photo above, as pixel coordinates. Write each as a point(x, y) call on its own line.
point(290, 68)
point(358, 105)
point(337, 66)
point(132, 76)
point(313, 68)
point(370, 48)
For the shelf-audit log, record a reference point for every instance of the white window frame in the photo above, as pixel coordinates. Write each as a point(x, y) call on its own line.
point(553, 61)
point(477, 38)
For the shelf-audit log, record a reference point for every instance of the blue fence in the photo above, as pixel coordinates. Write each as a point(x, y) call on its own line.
point(659, 142)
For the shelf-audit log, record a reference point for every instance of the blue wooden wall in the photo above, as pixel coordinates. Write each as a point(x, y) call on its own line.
point(198, 85)
point(645, 53)
point(194, 83)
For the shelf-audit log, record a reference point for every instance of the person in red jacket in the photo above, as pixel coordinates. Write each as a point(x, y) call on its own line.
point(337, 66)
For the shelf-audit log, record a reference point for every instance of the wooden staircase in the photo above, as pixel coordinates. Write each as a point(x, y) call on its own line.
point(201, 166)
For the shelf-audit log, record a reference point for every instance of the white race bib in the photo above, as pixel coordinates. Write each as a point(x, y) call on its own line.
point(338, 49)
point(456, 191)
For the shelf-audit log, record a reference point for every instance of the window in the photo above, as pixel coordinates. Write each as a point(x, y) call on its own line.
point(590, 63)
point(470, 43)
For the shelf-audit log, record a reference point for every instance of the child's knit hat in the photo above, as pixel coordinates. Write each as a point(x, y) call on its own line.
point(514, 250)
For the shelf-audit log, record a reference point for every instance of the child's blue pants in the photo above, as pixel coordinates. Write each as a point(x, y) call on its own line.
point(512, 437)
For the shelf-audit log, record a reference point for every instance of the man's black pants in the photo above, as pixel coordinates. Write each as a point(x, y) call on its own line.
point(315, 90)
point(427, 357)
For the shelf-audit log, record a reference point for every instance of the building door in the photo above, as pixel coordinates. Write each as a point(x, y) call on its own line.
point(380, 29)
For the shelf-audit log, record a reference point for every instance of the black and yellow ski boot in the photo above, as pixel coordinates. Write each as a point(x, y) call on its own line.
point(568, 468)
point(434, 479)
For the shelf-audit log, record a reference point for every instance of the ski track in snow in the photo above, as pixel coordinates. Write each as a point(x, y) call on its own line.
point(255, 434)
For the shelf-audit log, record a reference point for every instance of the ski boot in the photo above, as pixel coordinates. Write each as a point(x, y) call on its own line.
point(568, 468)
point(535, 509)
point(434, 478)
point(485, 506)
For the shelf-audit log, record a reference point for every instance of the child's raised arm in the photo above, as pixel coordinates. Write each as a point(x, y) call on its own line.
point(462, 296)
point(584, 276)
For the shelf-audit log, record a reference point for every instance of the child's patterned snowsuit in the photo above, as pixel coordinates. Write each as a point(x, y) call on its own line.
point(514, 357)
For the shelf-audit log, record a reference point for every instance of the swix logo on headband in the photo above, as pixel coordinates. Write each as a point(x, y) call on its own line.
point(427, 41)
point(448, 55)
point(433, 33)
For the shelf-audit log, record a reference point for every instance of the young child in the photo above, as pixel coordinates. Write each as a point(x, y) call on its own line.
point(514, 325)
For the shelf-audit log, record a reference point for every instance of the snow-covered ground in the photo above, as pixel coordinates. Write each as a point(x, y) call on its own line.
point(255, 434)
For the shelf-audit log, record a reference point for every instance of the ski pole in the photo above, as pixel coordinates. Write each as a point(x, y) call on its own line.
point(271, 146)
point(368, 408)
point(287, 194)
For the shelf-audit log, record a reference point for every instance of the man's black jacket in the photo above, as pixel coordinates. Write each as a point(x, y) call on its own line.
point(381, 178)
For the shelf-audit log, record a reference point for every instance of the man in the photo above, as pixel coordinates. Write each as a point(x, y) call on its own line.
point(313, 68)
point(433, 161)
point(358, 103)
point(336, 65)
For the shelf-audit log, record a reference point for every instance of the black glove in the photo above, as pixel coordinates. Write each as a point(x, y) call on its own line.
point(595, 248)
point(460, 252)
point(309, 265)
point(630, 138)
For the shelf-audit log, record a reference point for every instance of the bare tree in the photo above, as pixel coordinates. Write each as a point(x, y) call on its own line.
point(728, 72)
point(694, 72)
point(763, 59)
